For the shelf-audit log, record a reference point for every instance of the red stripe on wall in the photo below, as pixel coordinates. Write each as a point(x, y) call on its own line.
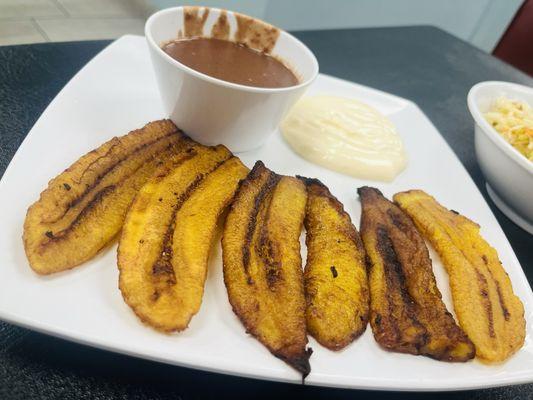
point(516, 44)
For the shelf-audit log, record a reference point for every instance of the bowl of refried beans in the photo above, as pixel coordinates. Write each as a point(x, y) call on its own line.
point(224, 77)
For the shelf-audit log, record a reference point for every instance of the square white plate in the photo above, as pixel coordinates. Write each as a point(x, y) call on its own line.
point(115, 93)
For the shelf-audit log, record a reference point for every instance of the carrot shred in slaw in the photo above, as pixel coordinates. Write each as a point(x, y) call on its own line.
point(513, 120)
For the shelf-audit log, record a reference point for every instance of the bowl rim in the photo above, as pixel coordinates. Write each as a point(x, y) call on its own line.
point(220, 82)
point(489, 130)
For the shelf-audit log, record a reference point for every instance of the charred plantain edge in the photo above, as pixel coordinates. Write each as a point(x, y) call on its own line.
point(195, 183)
point(111, 168)
point(98, 198)
point(298, 362)
point(395, 282)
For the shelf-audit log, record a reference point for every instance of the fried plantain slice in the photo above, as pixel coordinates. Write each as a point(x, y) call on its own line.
point(335, 279)
point(263, 266)
point(168, 232)
point(83, 208)
point(484, 302)
point(406, 310)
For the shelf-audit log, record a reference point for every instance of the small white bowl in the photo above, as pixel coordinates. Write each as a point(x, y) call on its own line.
point(508, 173)
point(213, 111)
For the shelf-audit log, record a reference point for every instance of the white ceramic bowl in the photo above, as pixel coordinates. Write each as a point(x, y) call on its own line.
point(214, 111)
point(508, 173)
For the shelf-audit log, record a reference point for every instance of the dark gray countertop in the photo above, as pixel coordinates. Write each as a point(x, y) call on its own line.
point(423, 64)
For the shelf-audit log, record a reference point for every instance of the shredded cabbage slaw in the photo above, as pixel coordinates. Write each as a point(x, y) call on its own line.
point(513, 120)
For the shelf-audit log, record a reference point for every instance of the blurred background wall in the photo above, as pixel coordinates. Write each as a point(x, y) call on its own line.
point(480, 22)
point(501, 27)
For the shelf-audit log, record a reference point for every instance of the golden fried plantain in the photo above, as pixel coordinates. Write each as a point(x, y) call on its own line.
point(168, 232)
point(406, 309)
point(335, 280)
point(263, 266)
point(484, 302)
point(83, 208)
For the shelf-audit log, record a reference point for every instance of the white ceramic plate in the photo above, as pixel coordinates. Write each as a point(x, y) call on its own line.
point(116, 93)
